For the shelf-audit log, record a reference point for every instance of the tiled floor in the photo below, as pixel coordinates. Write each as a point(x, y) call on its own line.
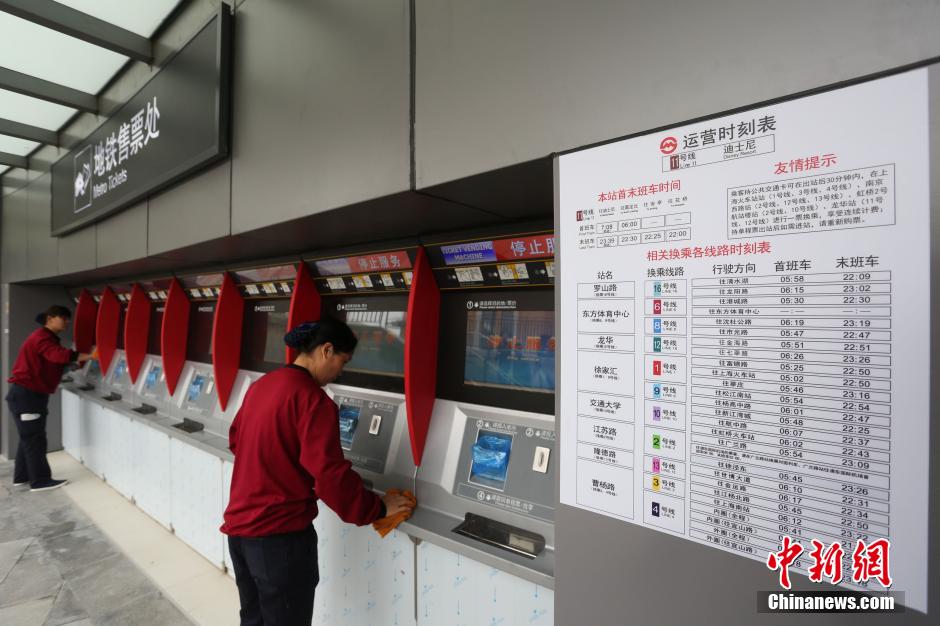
point(85, 555)
point(57, 568)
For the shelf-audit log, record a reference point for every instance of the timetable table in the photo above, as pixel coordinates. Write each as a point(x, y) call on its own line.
point(790, 385)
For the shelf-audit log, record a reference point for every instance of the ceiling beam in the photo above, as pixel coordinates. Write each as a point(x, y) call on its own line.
point(45, 90)
point(13, 160)
point(31, 133)
point(82, 26)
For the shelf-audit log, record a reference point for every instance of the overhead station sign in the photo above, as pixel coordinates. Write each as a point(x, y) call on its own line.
point(744, 324)
point(174, 126)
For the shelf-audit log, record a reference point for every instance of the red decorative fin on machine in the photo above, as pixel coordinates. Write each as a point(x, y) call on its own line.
point(227, 338)
point(137, 330)
point(304, 304)
point(421, 335)
point(86, 318)
point(174, 334)
point(108, 327)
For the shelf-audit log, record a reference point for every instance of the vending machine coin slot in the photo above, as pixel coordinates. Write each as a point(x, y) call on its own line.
point(540, 462)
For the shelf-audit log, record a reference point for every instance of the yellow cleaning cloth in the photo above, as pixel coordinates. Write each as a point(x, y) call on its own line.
point(390, 522)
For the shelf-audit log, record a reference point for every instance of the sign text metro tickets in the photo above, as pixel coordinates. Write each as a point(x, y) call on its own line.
point(745, 328)
point(176, 124)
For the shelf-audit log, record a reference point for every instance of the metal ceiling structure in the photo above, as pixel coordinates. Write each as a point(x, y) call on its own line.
point(56, 59)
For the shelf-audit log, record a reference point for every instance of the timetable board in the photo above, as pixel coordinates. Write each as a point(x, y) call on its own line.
point(745, 327)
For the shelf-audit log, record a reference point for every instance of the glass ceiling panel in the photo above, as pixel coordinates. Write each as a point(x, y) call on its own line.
point(13, 145)
point(26, 110)
point(47, 54)
point(138, 16)
point(44, 53)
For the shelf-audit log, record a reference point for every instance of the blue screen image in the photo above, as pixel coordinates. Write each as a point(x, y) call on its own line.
point(348, 422)
point(120, 370)
point(195, 387)
point(491, 459)
point(152, 376)
point(511, 349)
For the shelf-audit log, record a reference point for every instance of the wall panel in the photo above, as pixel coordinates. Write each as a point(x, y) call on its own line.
point(42, 254)
point(193, 211)
point(123, 236)
point(321, 107)
point(13, 239)
point(500, 83)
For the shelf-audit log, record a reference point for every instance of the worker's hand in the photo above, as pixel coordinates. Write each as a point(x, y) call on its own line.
point(82, 357)
point(395, 504)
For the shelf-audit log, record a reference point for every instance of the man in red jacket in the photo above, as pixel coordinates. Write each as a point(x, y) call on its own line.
point(285, 438)
point(35, 376)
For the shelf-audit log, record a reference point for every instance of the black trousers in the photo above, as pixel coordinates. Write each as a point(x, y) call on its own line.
point(276, 577)
point(31, 465)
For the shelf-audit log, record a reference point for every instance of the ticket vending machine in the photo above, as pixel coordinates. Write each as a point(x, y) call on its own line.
point(487, 483)
point(117, 384)
point(273, 298)
point(384, 397)
point(151, 387)
point(370, 292)
point(195, 398)
point(84, 322)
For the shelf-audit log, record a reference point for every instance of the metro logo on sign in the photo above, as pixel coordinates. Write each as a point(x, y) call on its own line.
point(657, 368)
point(82, 185)
point(668, 145)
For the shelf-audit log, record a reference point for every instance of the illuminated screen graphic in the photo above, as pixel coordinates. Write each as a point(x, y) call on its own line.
point(491, 459)
point(348, 422)
point(381, 347)
point(196, 387)
point(511, 349)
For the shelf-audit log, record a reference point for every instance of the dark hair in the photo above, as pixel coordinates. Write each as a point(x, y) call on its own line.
point(309, 335)
point(53, 311)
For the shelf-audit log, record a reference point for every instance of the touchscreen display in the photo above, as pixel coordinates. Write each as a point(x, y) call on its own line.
point(511, 349)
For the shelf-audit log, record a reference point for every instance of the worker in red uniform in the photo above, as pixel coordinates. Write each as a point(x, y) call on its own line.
point(36, 374)
point(285, 438)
